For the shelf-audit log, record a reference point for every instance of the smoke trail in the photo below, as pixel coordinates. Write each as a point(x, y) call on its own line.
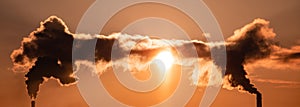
point(47, 53)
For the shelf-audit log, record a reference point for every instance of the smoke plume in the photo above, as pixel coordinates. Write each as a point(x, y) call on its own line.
point(47, 53)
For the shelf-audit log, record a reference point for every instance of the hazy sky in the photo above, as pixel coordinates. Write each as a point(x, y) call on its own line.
point(19, 18)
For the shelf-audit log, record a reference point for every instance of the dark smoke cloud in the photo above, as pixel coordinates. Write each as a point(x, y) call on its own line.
point(47, 49)
point(252, 42)
point(47, 52)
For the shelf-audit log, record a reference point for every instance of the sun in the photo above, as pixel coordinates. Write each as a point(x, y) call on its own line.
point(167, 58)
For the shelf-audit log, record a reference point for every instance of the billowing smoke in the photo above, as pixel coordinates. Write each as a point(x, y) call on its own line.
point(250, 43)
point(254, 41)
point(47, 53)
point(44, 53)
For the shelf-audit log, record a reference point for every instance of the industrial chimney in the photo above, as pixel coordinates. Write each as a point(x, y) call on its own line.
point(258, 100)
point(32, 103)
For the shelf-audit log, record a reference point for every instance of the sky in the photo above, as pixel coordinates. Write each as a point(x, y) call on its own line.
point(280, 86)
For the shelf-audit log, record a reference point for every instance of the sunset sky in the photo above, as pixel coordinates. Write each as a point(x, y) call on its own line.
point(278, 83)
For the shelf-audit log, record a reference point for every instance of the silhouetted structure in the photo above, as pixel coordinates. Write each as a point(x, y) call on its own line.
point(258, 100)
point(32, 103)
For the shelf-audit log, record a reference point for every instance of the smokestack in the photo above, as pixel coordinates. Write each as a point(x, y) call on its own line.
point(32, 103)
point(258, 100)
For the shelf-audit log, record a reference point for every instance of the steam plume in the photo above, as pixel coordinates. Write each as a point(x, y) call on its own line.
point(47, 53)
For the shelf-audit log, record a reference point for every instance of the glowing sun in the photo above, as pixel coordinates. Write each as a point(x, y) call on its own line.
point(166, 57)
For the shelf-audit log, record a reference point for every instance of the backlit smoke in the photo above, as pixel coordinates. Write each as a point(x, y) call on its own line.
point(44, 53)
point(47, 53)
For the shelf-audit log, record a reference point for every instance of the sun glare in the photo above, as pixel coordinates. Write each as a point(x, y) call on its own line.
point(166, 57)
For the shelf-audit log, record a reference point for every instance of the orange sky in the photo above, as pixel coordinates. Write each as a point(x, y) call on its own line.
point(19, 18)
